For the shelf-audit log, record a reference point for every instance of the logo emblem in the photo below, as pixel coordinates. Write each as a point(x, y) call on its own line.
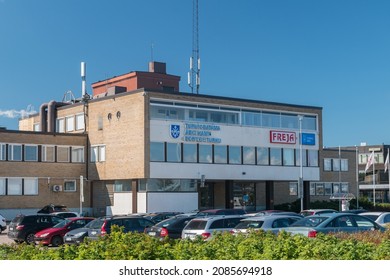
point(175, 131)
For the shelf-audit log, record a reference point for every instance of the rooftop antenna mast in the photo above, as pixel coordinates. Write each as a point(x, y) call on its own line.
point(194, 73)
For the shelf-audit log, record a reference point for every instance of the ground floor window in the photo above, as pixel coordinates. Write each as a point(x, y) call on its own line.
point(244, 196)
point(168, 185)
point(70, 186)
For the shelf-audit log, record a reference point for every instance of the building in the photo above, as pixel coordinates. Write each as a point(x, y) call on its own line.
point(149, 147)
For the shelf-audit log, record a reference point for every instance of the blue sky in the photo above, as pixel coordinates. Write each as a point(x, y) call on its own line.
point(327, 53)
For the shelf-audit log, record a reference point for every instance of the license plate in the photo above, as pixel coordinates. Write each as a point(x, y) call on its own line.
point(93, 232)
point(68, 239)
point(11, 228)
point(152, 233)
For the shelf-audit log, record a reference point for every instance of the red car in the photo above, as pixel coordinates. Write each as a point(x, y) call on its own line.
point(54, 235)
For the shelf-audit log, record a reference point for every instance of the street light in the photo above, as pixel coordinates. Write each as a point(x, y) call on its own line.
point(300, 183)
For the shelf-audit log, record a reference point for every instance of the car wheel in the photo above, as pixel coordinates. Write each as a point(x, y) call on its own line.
point(56, 241)
point(30, 238)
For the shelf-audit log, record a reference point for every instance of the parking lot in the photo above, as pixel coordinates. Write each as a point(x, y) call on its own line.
point(4, 238)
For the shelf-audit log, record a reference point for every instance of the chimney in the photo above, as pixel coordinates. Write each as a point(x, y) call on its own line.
point(157, 67)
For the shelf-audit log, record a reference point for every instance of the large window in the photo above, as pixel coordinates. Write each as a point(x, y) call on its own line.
point(122, 186)
point(189, 152)
point(2, 186)
point(173, 152)
point(169, 185)
point(276, 156)
point(298, 157)
point(234, 155)
point(14, 186)
point(312, 158)
point(3, 151)
point(70, 123)
point(63, 153)
point(249, 155)
point(77, 154)
point(288, 157)
point(205, 153)
point(157, 151)
point(48, 153)
point(98, 153)
point(80, 122)
point(262, 156)
point(61, 125)
point(30, 153)
point(220, 154)
point(30, 186)
point(15, 152)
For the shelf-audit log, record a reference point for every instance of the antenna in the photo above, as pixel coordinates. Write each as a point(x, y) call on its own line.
point(194, 73)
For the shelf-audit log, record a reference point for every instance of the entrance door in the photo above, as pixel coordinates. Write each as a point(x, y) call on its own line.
point(244, 196)
point(206, 196)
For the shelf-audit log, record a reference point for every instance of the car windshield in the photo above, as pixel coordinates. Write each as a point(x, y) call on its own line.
point(166, 223)
point(62, 223)
point(249, 224)
point(95, 224)
point(194, 224)
point(311, 221)
point(372, 217)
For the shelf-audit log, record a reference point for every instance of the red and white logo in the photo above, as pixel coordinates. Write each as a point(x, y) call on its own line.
point(283, 137)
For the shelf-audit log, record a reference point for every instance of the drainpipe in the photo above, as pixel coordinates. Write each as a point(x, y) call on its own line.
point(51, 116)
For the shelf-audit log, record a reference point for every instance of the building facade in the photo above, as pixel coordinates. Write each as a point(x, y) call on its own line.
point(158, 149)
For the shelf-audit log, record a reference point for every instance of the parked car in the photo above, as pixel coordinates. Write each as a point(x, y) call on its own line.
point(273, 213)
point(206, 226)
point(23, 227)
point(66, 214)
point(101, 226)
point(171, 227)
point(77, 236)
point(160, 216)
point(51, 208)
point(271, 223)
point(381, 218)
point(311, 225)
point(317, 211)
point(3, 224)
point(54, 235)
point(213, 212)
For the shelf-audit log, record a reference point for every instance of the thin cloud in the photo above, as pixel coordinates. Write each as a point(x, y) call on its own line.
point(12, 114)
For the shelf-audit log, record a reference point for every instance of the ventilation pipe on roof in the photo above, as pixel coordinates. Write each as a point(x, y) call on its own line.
point(43, 117)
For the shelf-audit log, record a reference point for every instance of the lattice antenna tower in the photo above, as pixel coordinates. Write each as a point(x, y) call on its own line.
point(194, 73)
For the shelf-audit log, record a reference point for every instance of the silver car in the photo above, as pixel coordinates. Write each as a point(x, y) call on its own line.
point(382, 218)
point(205, 227)
point(271, 223)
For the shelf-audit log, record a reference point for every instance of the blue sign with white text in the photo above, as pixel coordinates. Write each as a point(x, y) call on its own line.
point(308, 139)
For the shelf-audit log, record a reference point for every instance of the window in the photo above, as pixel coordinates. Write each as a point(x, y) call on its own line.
point(276, 156)
point(122, 186)
point(80, 122)
point(69, 123)
point(327, 164)
point(15, 152)
point(189, 152)
point(344, 187)
point(336, 164)
point(309, 123)
point(98, 153)
point(312, 158)
point(30, 186)
point(293, 188)
point(320, 189)
point(288, 157)
point(205, 153)
point(48, 153)
point(62, 154)
point(77, 154)
point(262, 156)
point(157, 151)
point(328, 188)
point(298, 157)
point(2, 186)
point(336, 188)
point(170, 185)
point(69, 186)
point(30, 153)
point(36, 127)
point(234, 155)
point(220, 154)
point(173, 152)
point(100, 122)
point(271, 120)
point(61, 125)
point(249, 155)
point(14, 186)
point(289, 121)
point(3, 148)
point(344, 164)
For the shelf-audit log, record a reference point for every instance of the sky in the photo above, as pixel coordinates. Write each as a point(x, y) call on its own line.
point(326, 53)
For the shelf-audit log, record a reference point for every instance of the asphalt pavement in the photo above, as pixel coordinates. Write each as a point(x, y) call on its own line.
point(4, 238)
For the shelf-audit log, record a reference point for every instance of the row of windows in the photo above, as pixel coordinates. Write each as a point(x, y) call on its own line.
point(378, 157)
point(335, 164)
point(67, 124)
point(321, 188)
point(233, 117)
point(223, 154)
point(44, 153)
point(27, 186)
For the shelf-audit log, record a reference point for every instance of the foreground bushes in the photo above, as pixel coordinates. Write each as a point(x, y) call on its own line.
point(258, 245)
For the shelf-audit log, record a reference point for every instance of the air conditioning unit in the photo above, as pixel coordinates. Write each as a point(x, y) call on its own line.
point(57, 188)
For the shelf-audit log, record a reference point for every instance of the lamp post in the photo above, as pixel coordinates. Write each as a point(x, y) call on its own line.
point(300, 183)
point(357, 178)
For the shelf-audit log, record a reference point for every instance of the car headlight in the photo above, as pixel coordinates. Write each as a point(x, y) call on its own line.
point(43, 235)
point(77, 235)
